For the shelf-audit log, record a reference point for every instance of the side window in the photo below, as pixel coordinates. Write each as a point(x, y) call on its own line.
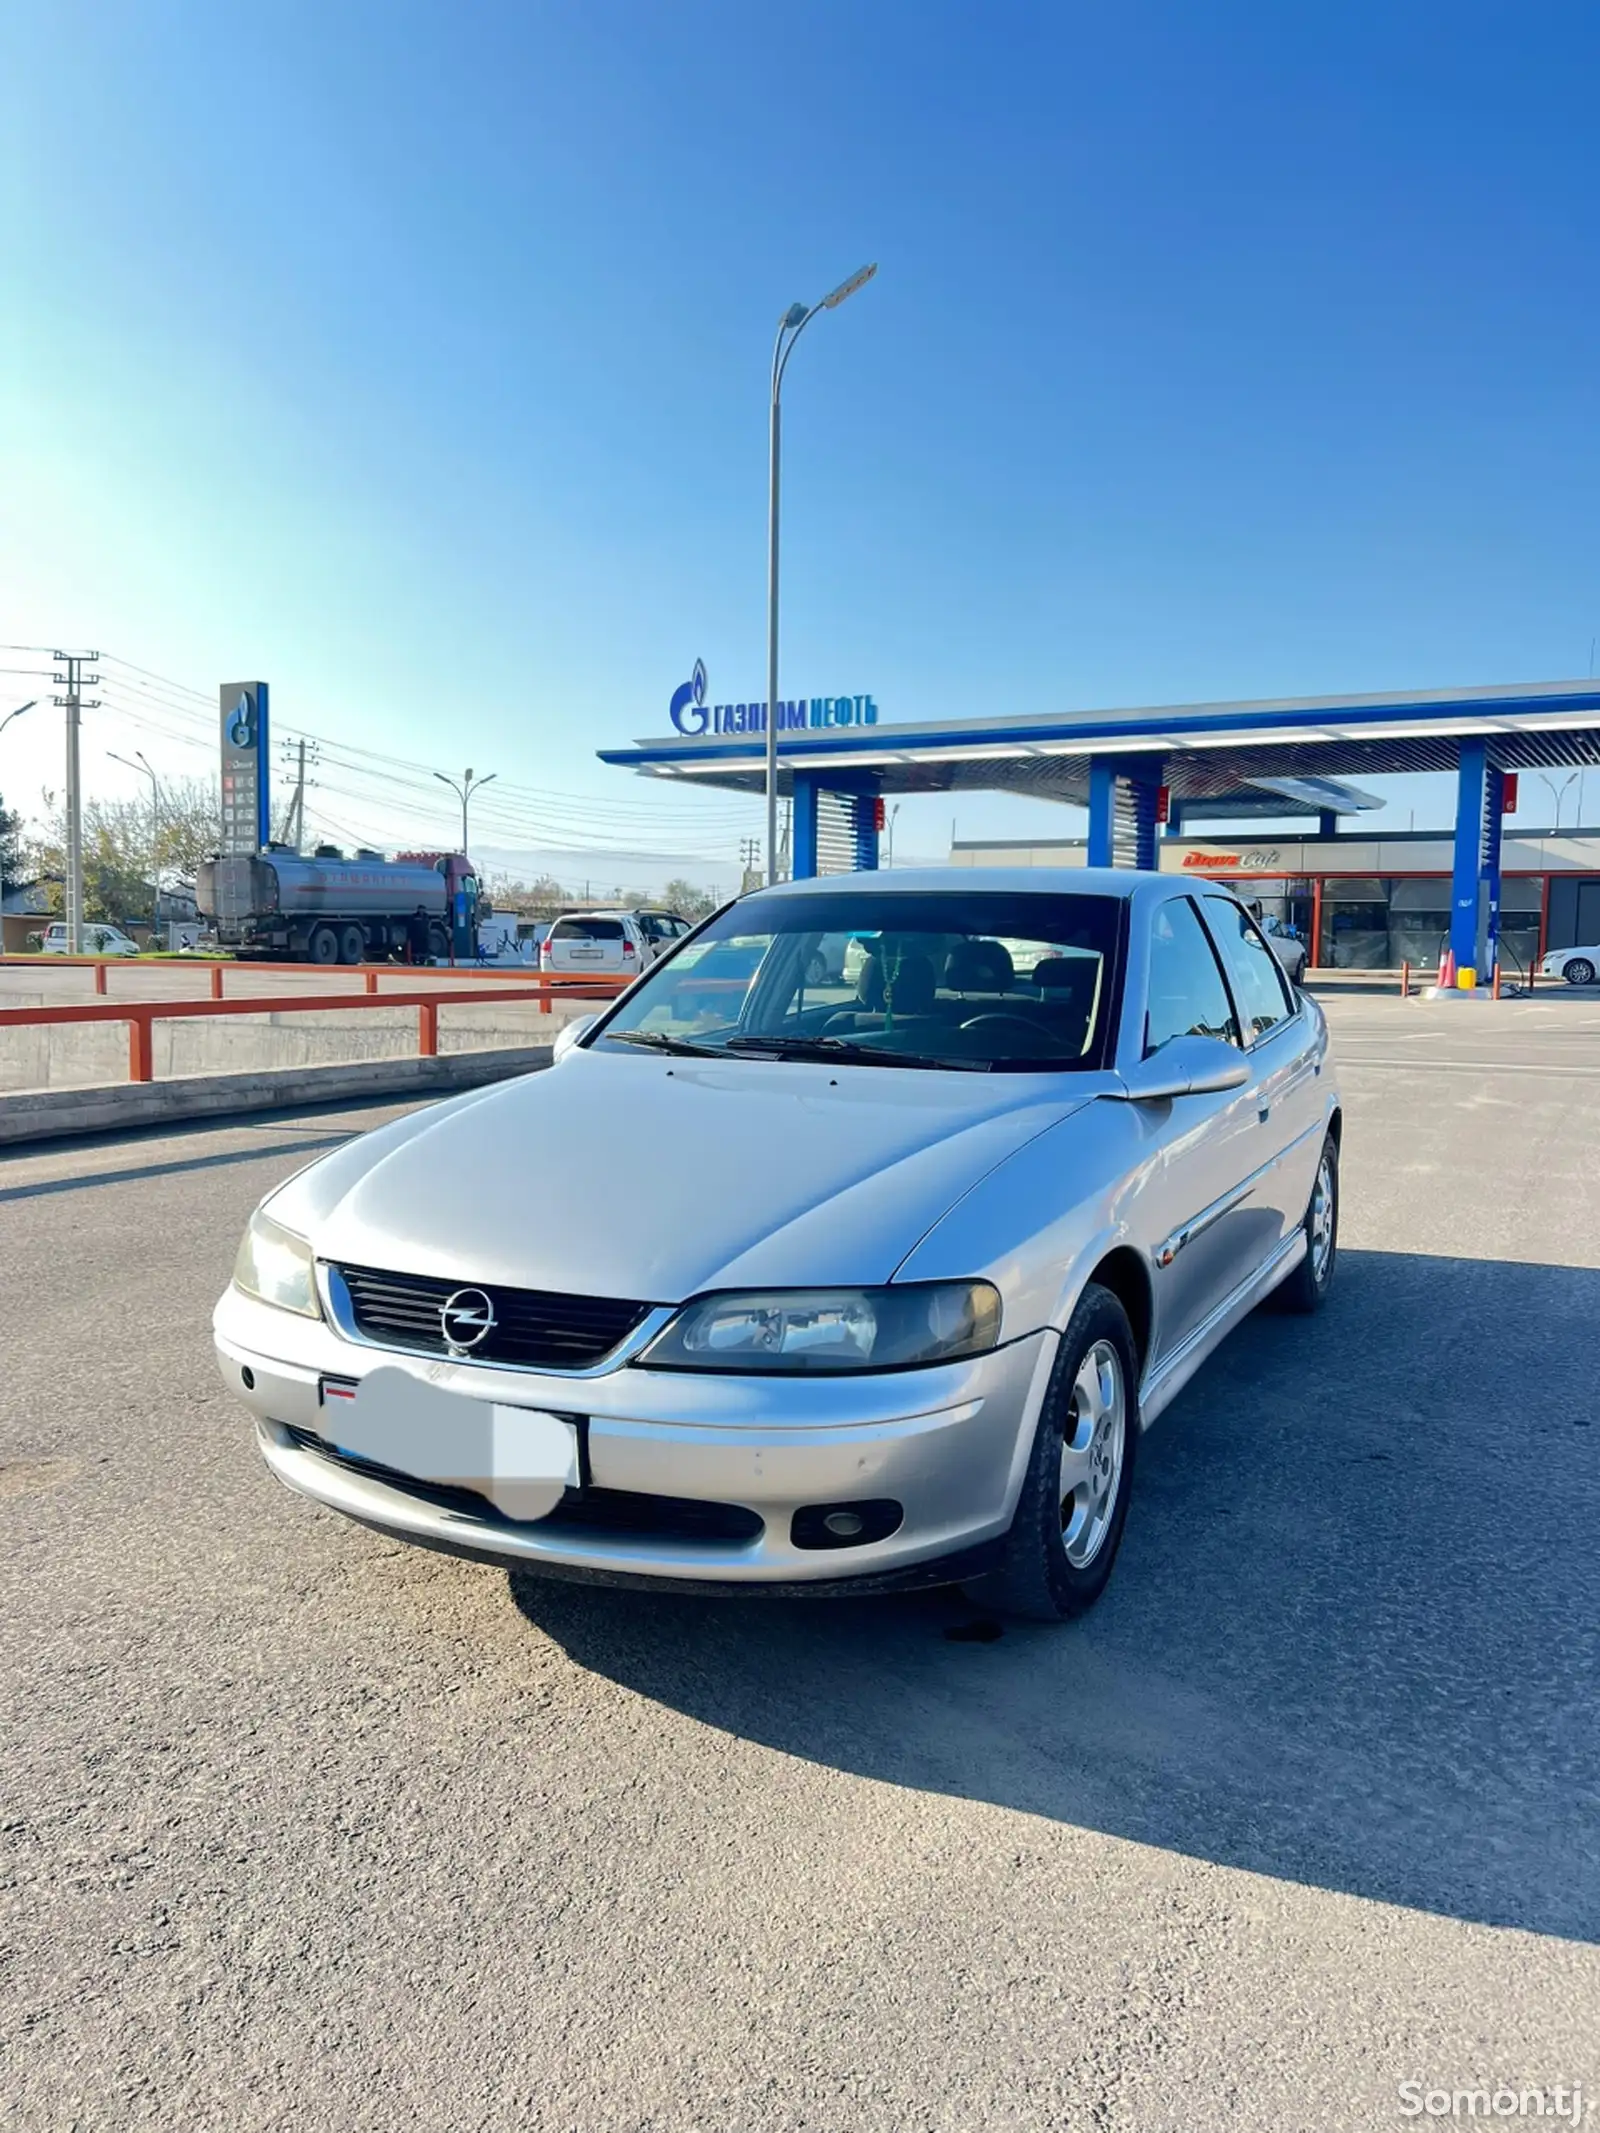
point(1187, 995)
point(1258, 980)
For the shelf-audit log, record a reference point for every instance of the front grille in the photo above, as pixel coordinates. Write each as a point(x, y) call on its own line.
point(580, 1511)
point(533, 1327)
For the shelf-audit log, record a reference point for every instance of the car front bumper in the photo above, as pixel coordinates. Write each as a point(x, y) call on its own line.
point(949, 1444)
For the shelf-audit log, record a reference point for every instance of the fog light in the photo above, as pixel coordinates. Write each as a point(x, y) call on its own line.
point(845, 1525)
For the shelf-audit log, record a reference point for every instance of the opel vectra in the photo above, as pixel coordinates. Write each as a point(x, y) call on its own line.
point(851, 1249)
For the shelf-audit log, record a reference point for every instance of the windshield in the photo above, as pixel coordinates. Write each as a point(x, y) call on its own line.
point(957, 978)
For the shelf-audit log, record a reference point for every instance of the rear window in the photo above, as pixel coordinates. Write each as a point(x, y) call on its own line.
point(586, 929)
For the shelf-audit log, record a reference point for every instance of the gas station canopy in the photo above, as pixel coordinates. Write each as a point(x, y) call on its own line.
point(1208, 751)
point(1280, 757)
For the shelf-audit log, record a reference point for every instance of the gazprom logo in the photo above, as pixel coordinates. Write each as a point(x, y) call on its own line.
point(693, 716)
point(688, 707)
point(241, 727)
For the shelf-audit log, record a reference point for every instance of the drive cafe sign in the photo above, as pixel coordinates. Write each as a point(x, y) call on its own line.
point(1268, 861)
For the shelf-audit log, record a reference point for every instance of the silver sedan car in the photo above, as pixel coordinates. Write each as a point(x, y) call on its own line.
point(808, 1273)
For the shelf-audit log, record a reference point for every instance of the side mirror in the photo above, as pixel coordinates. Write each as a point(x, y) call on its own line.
point(1188, 1066)
point(568, 1035)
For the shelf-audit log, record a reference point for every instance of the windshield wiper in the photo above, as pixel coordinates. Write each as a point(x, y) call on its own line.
point(846, 1051)
point(658, 1041)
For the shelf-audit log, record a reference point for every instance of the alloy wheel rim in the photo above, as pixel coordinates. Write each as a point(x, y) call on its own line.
point(1322, 1221)
point(1093, 1445)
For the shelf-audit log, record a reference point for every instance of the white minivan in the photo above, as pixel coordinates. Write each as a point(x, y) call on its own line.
point(97, 940)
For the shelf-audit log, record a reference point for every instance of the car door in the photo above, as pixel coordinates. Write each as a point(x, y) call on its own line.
point(1284, 1043)
point(1195, 1213)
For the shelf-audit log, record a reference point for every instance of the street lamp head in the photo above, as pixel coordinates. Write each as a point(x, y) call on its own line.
point(796, 315)
point(848, 288)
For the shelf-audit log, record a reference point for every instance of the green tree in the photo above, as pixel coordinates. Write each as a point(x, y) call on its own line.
point(540, 898)
point(10, 848)
point(118, 851)
point(689, 902)
point(190, 828)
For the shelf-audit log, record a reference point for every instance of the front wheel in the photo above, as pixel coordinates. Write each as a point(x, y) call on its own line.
point(1580, 971)
point(1074, 1503)
point(1307, 1287)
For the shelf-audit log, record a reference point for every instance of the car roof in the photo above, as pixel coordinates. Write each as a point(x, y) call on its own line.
point(1016, 881)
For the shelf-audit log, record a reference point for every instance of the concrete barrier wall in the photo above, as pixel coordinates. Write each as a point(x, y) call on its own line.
point(66, 1055)
point(48, 1114)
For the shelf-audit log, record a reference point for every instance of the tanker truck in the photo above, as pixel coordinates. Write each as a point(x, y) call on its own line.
point(330, 909)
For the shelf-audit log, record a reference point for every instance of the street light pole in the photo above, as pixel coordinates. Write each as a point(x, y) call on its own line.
point(10, 715)
point(155, 835)
point(464, 787)
point(790, 327)
point(1558, 792)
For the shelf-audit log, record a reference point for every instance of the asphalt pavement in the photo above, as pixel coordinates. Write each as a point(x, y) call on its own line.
point(303, 1828)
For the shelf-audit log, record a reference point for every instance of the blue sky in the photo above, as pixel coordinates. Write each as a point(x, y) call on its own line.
point(414, 357)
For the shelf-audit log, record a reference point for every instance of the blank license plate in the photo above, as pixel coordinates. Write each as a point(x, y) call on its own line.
point(521, 1458)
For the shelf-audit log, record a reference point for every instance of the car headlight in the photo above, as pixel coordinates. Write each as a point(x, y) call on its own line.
point(277, 1267)
point(830, 1330)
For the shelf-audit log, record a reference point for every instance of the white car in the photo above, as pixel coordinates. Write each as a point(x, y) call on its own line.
point(761, 1287)
point(97, 940)
point(660, 929)
point(595, 943)
point(1577, 965)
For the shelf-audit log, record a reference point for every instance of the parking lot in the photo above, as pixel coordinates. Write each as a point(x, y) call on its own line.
point(304, 1828)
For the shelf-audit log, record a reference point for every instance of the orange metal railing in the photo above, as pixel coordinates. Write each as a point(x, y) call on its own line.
point(217, 968)
point(142, 1015)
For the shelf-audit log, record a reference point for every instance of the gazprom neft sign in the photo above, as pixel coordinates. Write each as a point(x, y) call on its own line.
point(693, 715)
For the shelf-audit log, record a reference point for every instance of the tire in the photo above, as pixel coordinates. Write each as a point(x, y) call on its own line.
point(438, 943)
point(1093, 1405)
point(1306, 1289)
point(352, 944)
point(323, 946)
point(1579, 971)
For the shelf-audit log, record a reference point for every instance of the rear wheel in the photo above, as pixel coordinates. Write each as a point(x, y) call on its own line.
point(352, 945)
point(1074, 1503)
point(1307, 1287)
point(1580, 971)
point(324, 945)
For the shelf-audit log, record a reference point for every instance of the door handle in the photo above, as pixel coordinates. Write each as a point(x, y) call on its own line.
point(1264, 1114)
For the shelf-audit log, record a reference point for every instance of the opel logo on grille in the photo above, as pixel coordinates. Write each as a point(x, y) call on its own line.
point(466, 1319)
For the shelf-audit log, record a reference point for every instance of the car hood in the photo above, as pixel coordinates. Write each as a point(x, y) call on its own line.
point(655, 1179)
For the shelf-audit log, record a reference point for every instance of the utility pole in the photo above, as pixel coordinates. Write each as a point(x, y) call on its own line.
point(75, 681)
point(294, 821)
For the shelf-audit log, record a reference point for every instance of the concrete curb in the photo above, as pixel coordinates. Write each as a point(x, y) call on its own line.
point(45, 1114)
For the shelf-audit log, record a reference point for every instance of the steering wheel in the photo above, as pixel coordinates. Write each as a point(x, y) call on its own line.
point(1018, 1025)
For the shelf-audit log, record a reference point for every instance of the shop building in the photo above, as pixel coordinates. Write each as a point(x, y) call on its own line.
point(1369, 903)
